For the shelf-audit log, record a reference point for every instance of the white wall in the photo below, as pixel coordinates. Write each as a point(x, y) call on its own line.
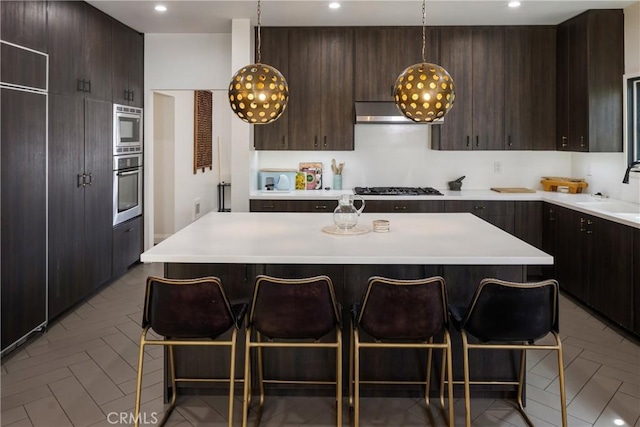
point(401, 155)
point(187, 62)
point(604, 171)
point(163, 189)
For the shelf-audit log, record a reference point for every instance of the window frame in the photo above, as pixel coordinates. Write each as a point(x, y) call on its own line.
point(632, 116)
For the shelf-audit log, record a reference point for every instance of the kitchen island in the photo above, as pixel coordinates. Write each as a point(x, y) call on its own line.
point(237, 246)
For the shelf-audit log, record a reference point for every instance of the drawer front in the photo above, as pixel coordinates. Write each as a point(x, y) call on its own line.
point(481, 208)
point(293, 205)
point(407, 206)
point(269, 205)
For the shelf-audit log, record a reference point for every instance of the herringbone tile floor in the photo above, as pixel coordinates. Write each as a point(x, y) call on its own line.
point(82, 373)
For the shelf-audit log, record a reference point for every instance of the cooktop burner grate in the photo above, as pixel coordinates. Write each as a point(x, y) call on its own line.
point(397, 191)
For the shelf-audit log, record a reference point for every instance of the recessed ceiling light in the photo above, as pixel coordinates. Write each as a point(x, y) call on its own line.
point(618, 422)
point(514, 4)
point(160, 8)
point(334, 5)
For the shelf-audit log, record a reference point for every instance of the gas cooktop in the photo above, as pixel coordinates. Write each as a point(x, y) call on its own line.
point(397, 191)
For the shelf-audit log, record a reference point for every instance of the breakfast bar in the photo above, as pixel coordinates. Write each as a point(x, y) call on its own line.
point(237, 246)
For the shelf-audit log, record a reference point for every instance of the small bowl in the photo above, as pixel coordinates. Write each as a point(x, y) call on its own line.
point(455, 185)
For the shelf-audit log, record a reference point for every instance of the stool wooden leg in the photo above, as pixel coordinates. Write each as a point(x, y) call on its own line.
point(449, 358)
point(428, 380)
point(356, 380)
point(136, 409)
point(445, 356)
point(232, 374)
point(563, 396)
point(351, 369)
point(260, 372)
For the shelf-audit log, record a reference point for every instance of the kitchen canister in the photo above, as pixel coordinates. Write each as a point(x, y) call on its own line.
point(337, 182)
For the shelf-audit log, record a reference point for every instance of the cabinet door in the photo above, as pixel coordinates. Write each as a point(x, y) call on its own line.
point(24, 23)
point(337, 104)
point(498, 213)
point(305, 89)
point(66, 202)
point(488, 88)
point(562, 88)
point(543, 98)
point(518, 88)
point(549, 232)
point(128, 68)
point(24, 213)
point(578, 80)
point(275, 52)
point(456, 57)
point(610, 266)
point(636, 281)
point(65, 26)
point(136, 68)
point(571, 252)
point(98, 204)
point(98, 51)
point(127, 245)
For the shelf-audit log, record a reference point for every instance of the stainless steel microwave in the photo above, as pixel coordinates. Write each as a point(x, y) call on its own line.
point(127, 130)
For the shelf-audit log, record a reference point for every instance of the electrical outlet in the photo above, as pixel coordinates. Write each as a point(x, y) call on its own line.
point(497, 167)
point(196, 208)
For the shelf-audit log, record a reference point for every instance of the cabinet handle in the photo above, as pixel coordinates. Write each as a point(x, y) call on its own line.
point(81, 182)
point(320, 207)
point(582, 221)
point(552, 216)
point(283, 141)
point(392, 91)
point(479, 208)
point(325, 140)
point(564, 141)
point(477, 141)
point(315, 141)
point(468, 142)
point(268, 207)
point(133, 96)
point(130, 230)
point(126, 95)
point(86, 86)
point(509, 143)
point(582, 144)
point(90, 176)
point(400, 208)
point(80, 85)
point(589, 222)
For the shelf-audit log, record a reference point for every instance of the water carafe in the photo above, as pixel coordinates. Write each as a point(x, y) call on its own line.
point(345, 216)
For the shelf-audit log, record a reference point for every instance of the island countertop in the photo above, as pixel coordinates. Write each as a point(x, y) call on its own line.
point(294, 238)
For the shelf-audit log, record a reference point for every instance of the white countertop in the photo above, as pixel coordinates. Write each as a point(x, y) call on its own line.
point(297, 238)
point(630, 217)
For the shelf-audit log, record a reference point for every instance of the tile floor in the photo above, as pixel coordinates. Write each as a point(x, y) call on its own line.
point(82, 373)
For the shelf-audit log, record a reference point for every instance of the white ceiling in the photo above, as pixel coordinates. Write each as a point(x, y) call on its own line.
point(214, 16)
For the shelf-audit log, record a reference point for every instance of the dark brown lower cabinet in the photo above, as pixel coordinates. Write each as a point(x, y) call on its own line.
point(127, 245)
point(528, 227)
point(636, 282)
point(293, 205)
point(498, 213)
point(24, 213)
point(594, 263)
point(404, 206)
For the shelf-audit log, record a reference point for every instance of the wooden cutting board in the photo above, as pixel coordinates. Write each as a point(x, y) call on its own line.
point(513, 190)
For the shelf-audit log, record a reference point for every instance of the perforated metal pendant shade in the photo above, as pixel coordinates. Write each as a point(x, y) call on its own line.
point(424, 92)
point(258, 94)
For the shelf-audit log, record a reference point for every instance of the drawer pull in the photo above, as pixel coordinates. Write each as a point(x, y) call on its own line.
point(321, 207)
point(479, 208)
point(400, 208)
point(130, 230)
point(268, 207)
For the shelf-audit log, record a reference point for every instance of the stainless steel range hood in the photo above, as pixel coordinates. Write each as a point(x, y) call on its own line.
point(384, 113)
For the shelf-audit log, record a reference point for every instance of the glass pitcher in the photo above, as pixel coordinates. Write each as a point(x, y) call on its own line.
point(345, 216)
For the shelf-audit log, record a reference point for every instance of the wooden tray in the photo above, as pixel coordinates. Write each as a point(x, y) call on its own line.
point(355, 231)
point(512, 190)
point(552, 183)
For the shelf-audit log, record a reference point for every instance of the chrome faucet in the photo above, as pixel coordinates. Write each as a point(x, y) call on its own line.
point(625, 180)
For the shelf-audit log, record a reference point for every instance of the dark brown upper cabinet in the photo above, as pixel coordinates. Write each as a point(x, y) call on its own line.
point(590, 59)
point(128, 65)
point(80, 50)
point(530, 88)
point(474, 56)
point(274, 51)
point(382, 53)
point(24, 23)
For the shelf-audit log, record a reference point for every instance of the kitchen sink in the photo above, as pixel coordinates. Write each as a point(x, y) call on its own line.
point(613, 207)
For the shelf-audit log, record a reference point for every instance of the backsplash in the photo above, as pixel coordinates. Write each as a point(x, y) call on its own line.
point(400, 155)
point(604, 173)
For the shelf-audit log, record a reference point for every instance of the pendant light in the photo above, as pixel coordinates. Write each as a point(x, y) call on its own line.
point(258, 93)
point(424, 92)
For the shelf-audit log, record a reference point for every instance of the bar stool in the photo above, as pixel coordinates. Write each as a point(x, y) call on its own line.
point(508, 315)
point(188, 312)
point(291, 313)
point(401, 314)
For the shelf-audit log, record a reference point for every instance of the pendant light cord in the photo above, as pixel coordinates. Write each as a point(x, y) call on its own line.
point(259, 41)
point(424, 30)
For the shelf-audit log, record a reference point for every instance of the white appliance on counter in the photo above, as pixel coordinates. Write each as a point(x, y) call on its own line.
point(282, 180)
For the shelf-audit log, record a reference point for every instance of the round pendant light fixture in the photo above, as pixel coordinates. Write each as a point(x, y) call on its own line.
point(258, 93)
point(424, 92)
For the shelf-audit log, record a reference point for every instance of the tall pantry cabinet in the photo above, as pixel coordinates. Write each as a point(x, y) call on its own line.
point(23, 144)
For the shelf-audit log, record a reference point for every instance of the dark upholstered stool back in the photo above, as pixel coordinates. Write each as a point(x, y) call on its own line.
point(195, 308)
point(403, 309)
point(507, 311)
point(294, 308)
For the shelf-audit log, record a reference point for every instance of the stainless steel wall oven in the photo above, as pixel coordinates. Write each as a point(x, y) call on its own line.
point(127, 187)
